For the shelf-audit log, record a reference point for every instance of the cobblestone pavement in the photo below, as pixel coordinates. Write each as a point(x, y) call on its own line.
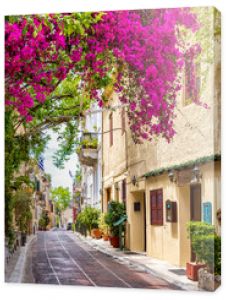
point(59, 259)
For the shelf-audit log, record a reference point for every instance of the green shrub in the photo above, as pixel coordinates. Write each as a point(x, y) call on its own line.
point(116, 210)
point(88, 217)
point(44, 221)
point(22, 208)
point(206, 245)
point(73, 227)
point(217, 255)
point(102, 224)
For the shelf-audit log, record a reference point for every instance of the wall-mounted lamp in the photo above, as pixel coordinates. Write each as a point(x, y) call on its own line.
point(134, 180)
point(196, 175)
point(172, 175)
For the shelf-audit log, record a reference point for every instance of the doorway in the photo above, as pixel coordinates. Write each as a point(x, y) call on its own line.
point(195, 207)
point(107, 199)
point(137, 220)
point(145, 232)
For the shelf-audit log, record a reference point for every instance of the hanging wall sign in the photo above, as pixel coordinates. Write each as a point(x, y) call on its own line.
point(207, 212)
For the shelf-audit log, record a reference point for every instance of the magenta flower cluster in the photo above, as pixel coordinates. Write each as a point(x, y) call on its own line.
point(142, 45)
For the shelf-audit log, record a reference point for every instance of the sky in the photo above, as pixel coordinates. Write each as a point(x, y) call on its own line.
point(60, 177)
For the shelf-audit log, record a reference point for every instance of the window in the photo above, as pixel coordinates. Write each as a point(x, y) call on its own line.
point(37, 185)
point(123, 119)
point(190, 94)
point(111, 128)
point(156, 204)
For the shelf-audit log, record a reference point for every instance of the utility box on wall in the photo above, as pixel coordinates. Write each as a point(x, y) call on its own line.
point(136, 206)
point(171, 211)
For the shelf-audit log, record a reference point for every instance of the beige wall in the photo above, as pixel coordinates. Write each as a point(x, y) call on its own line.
point(115, 156)
point(136, 221)
point(162, 241)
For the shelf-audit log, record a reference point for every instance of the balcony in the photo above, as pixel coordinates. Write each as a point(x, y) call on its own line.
point(87, 151)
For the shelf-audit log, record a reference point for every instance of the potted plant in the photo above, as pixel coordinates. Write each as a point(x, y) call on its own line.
point(79, 225)
point(103, 227)
point(202, 244)
point(89, 218)
point(210, 277)
point(115, 212)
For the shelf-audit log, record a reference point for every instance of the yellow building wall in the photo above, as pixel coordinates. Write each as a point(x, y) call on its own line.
point(183, 219)
point(114, 156)
point(162, 241)
point(136, 220)
point(170, 242)
point(197, 135)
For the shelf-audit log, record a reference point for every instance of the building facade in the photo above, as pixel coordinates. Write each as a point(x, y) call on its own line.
point(166, 185)
point(90, 158)
point(42, 202)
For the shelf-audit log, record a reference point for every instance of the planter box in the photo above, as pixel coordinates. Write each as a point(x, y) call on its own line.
point(208, 281)
point(114, 240)
point(192, 270)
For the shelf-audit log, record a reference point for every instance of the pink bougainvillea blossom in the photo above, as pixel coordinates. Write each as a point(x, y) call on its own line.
point(142, 45)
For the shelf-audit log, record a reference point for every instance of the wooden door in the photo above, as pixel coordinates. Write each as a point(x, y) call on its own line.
point(195, 208)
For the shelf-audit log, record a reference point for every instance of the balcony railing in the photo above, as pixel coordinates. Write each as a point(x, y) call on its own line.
point(89, 140)
point(87, 152)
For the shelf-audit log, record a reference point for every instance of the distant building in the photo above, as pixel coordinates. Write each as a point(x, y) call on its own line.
point(90, 157)
point(42, 199)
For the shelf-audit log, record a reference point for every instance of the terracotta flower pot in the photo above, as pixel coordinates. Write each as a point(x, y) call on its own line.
point(105, 237)
point(96, 233)
point(114, 240)
point(192, 270)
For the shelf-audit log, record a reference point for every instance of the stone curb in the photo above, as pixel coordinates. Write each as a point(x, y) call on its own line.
point(19, 270)
point(140, 266)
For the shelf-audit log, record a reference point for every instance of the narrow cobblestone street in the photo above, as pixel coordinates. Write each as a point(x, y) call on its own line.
point(59, 259)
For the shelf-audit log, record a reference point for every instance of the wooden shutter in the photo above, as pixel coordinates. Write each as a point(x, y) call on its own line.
point(156, 204)
point(124, 190)
point(111, 129)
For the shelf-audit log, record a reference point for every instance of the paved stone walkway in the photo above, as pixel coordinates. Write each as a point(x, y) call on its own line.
point(140, 261)
point(15, 271)
point(61, 257)
point(64, 257)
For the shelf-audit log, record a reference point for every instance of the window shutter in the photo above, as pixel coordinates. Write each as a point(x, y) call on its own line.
point(124, 190)
point(156, 204)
